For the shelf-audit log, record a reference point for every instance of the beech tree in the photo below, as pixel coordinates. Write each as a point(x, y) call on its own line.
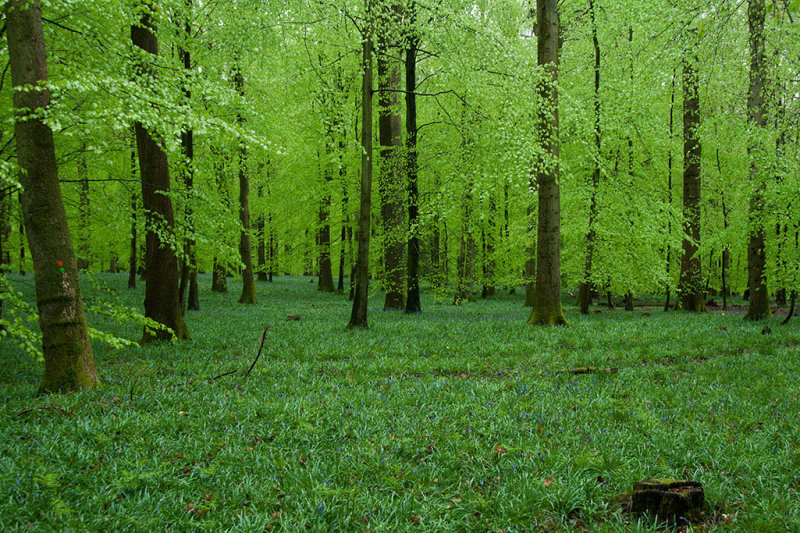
point(161, 265)
point(547, 296)
point(69, 365)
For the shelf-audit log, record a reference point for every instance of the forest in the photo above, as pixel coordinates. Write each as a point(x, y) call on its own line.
point(356, 265)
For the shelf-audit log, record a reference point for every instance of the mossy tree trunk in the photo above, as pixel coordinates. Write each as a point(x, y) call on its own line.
point(391, 168)
point(69, 365)
point(691, 277)
point(413, 303)
point(584, 299)
point(358, 316)
point(547, 296)
point(161, 285)
point(245, 252)
point(758, 307)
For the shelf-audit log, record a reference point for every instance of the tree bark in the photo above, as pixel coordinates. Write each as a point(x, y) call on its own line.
point(691, 276)
point(132, 260)
point(758, 307)
point(189, 270)
point(584, 299)
point(358, 317)
point(547, 297)
point(669, 192)
point(69, 365)
point(413, 301)
point(248, 281)
point(219, 272)
point(161, 285)
point(85, 213)
point(391, 168)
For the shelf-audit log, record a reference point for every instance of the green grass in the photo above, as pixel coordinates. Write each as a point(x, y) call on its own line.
point(460, 419)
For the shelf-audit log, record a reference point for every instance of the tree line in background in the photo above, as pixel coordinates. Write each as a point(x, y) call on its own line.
point(518, 143)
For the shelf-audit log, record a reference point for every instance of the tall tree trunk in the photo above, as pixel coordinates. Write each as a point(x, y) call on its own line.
point(489, 249)
point(345, 224)
point(391, 168)
point(413, 302)
point(358, 317)
point(691, 277)
point(85, 213)
point(547, 297)
point(529, 268)
point(758, 307)
point(325, 283)
point(69, 365)
point(161, 287)
point(219, 272)
point(189, 265)
point(3, 234)
point(584, 299)
point(261, 235)
point(669, 191)
point(21, 238)
point(248, 281)
point(132, 261)
point(466, 252)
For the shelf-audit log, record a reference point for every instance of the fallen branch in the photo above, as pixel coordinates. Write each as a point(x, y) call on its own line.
point(263, 338)
point(228, 373)
point(44, 407)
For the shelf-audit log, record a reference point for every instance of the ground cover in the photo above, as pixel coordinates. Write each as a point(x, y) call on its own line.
point(463, 418)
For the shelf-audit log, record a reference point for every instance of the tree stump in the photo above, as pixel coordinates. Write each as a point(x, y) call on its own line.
point(670, 499)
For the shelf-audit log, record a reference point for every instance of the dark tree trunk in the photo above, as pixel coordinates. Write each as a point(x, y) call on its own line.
point(325, 283)
point(3, 234)
point(69, 365)
point(219, 272)
point(189, 264)
point(132, 261)
point(345, 201)
point(669, 191)
point(691, 277)
point(391, 168)
point(161, 288)
point(21, 238)
point(261, 235)
point(248, 281)
point(584, 299)
point(547, 299)
point(358, 317)
point(85, 213)
point(758, 307)
point(413, 302)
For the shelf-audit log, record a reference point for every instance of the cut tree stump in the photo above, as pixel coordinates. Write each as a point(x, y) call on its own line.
point(670, 499)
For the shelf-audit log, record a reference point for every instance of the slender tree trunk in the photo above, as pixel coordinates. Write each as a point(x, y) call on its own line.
point(325, 283)
point(261, 252)
point(21, 238)
point(219, 272)
point(85, 213)
point(161, 288)
point(547, 298)
point(358, 317)
point(584, 299)
point(413, 302)
point(248, 281)
point(758, 307)
point(669, 192)
point(132, 261)
point(69, 365)
point(345, 209)
point(189, 265)
point(3, 234)
point(466, 252)
point(391, 168)
point(489, 249)
point(691, 277)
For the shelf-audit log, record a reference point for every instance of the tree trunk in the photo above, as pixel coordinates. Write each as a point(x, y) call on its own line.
point(358, 317)
point(584, 299)
point(466, 252)
point(547, 297)
point(161, 287)
point(132, 261)
point(219, 272)
point(3, 234)
point(85, 213)
point(669, 191)
point(261, 249)
point(391, 168)
point(345, 224)
point(325, 283)
point(489, 249)
point(69, 365)
point(248, 281)
point(413, 302)
point(691, 277)
point(189, 269)
point(21, 238)
point(758, 307)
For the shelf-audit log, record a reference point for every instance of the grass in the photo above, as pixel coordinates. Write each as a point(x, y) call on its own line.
point(460, 419)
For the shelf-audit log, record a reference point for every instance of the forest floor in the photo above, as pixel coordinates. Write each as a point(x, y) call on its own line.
point(462, 418)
